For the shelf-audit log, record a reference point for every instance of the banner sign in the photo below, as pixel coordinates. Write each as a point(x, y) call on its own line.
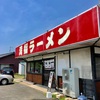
point(81, 28)
point(50, 79)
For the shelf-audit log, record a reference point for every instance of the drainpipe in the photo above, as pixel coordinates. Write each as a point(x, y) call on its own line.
point(69, 60)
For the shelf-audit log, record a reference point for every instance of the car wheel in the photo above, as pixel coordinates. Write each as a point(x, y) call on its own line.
point(4, 81)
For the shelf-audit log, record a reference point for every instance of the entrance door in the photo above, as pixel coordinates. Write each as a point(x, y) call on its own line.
point(46, 77)
point(48, 67)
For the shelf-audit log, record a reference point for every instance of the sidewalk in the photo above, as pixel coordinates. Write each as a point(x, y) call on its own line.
point(41, 88)
point(32, 85)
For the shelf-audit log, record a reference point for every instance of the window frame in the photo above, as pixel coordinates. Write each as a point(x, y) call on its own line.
point(34, 65)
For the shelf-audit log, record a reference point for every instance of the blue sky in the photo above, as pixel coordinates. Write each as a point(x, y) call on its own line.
point(22, 20)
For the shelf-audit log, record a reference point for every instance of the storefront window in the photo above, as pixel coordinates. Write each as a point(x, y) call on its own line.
point(31, 67)
point(35, 67)
point(38, 67)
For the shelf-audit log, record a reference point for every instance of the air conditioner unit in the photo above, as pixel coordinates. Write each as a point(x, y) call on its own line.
point(65, 75)
point(66, 89)
point(70, 77)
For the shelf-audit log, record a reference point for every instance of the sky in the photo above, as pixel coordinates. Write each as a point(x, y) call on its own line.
point(23, 20)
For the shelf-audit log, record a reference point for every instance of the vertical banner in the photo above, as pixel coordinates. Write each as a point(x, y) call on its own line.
point(50, 79)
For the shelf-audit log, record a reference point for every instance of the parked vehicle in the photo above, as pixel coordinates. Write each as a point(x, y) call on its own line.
point(5, 79)
point(8, 71)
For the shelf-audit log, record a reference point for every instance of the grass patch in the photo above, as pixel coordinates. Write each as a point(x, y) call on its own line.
point(53, 96)
point(63, 98)
point(18, 76)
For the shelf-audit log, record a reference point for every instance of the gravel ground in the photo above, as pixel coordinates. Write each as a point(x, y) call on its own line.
point(18, 91)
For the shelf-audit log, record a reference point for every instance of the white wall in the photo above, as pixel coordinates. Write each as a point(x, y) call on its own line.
point(62, 62)
point(41, 57)
point(81, 59)
point(97, 50)
point(48, 56)
point(22, 68)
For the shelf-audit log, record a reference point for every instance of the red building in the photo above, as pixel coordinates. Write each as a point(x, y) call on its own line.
point(9, 60)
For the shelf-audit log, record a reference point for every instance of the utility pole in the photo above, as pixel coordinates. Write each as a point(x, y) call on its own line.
point(10, 49)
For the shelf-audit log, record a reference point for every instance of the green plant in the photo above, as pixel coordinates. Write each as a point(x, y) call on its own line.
point(53, 96)
point(63, 98)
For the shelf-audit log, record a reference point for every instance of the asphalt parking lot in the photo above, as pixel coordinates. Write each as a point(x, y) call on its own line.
point(18, 91)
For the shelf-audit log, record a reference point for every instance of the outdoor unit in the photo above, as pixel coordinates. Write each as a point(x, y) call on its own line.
point(66, 88)
point(70, 78)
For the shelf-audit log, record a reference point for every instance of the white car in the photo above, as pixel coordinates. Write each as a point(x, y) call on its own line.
point(5, 79)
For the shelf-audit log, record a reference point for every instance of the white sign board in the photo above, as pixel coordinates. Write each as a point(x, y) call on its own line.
point(49, 64)
point(50, 79)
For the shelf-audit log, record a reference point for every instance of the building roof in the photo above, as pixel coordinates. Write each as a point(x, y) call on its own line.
point(6, 54)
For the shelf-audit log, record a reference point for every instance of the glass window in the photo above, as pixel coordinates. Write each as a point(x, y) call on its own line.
point(30, 67)
point(35, 67)
point(38, 67)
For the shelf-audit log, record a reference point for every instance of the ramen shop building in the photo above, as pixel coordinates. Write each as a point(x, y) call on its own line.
point(72, 44)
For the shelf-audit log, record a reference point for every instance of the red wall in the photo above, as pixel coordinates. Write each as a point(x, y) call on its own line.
point(10, 60)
